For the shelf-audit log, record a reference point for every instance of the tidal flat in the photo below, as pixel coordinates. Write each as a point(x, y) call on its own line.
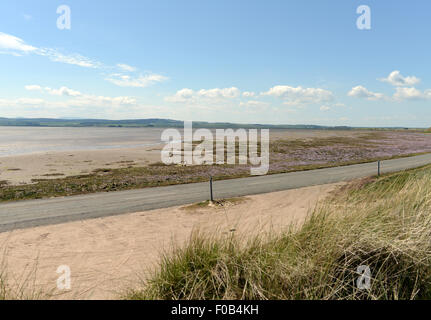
point(85, 170)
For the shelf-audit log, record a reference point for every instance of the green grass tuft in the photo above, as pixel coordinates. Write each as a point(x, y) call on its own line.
point(384, 223)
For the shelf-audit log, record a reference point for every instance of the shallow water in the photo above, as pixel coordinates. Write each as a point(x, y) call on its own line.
point(26, 140)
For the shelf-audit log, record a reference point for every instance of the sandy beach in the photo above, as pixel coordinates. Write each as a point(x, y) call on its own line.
point(110, 255)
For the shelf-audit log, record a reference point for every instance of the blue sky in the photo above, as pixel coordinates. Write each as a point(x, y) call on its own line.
point(286, 61)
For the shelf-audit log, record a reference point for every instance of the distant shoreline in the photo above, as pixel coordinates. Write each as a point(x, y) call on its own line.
point(168, 123)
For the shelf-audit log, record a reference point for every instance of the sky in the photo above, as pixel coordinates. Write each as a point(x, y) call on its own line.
point(272, 62)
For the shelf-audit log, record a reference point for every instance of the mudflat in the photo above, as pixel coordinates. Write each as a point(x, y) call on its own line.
point(30, 154)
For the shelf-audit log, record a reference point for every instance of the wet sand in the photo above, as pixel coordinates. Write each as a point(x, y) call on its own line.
point(21, 169)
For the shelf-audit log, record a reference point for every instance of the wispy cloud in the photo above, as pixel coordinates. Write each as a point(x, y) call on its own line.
point(126, 67)
point(214, 95)
point(13, 45)
point(83, 100)
point(21, 102)
point(248, 94)
point(63, 91)
point(254, 103)
point(33, 87)
point(141, 81)
point(74, 59)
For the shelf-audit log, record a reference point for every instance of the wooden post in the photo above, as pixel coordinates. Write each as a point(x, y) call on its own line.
point(211, 189)
point(378, 168)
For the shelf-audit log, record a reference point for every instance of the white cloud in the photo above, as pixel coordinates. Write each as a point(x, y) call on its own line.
point(20, 101)
point(327, 107)
point(248, 94)
point(254, 103)
point(101, 101)
point(412, 94)
point(33, 88)
point(74, 59)
point(63, 91)
point(362, 92)
point(78, 98)
point(141, 81)
point(14, 45)
point(182, 95)
point(226, 93)
point(300, 95)
point(396, 79)
point(401, 94)
point(126, 67)
point(206, 95)
point(341, 105)
point(92, 107)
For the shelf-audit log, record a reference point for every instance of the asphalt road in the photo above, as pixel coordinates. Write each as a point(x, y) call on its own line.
point(25, 214)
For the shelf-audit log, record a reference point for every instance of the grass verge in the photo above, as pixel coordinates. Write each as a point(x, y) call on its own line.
point(383, 223)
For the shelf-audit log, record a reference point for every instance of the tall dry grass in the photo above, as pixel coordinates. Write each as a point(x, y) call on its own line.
point(384, 224)
point(22, 286)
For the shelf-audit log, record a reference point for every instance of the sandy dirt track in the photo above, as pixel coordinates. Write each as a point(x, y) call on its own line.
point(108, 255)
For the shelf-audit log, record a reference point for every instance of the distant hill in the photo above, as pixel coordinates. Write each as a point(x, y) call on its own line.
point(146, 123)
point(168, 123)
